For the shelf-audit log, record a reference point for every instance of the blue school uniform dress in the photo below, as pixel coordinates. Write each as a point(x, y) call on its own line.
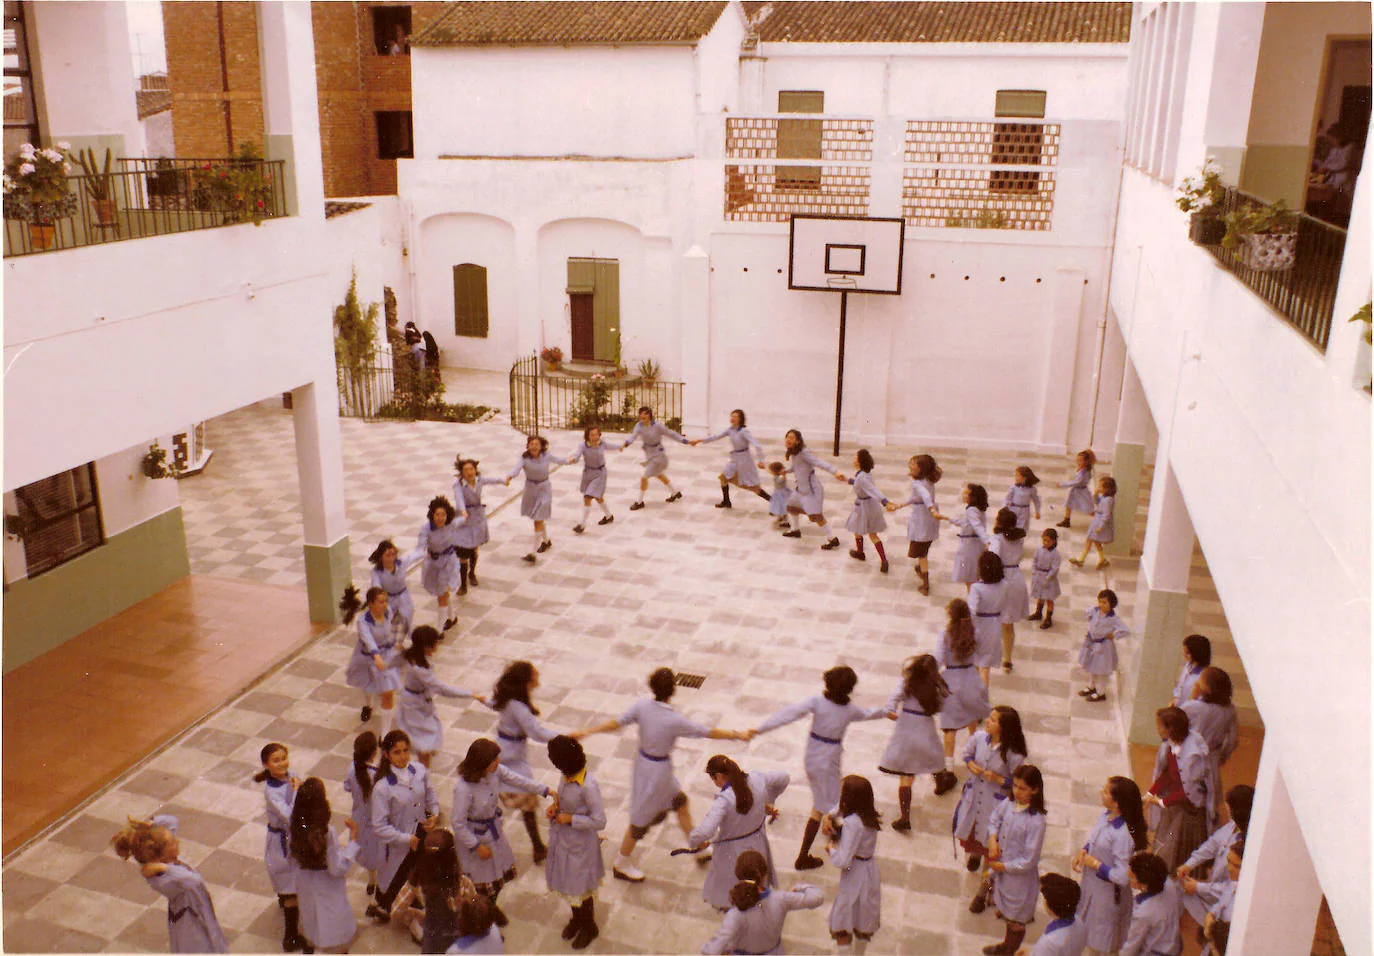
point(921, 525)
point(399, 601)
point(401, 801)
point(593, 483)
point(1154, 923)
point(867, 516)
point(1019, 499)
point(514, 730)
point(574, 866)
point(1216, 724)
point(192, 926)
point(473, 531)
point(1080, 496)
point(809, 495)
point(732, 832)
point(536, 502)
point(1104, 908)
point(1097, 656)
point(1017, 595)
point(858, 899)
point(440, 551)
point(973, 540)
point(653, 785)
point(915, 747)
point(279, 797)
point(825, 743)
point(1044, 584)
point(1187, 680)
point(740, 464)
point(1020, 838)
point(652, 435)
point(777, 501)
point(369, 848)
point(375, 639)
point(1213, 851)
point(417, 715)
point(1103, 526)
point(326, 916)
point(489, 945)
point(476, 819)
point(979, 797)
point(986, 603)
point(1062, 937)
point(968, 700)
point(758, 930)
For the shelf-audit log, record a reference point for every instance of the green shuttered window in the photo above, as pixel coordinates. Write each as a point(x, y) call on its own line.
point(470, 300)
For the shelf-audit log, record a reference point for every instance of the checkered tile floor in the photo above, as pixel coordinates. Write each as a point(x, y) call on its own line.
point(713, 592)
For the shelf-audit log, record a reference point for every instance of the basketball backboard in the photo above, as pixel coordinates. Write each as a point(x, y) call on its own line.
point(846, 254)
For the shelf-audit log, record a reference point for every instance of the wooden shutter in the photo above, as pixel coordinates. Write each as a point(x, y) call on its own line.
point(1023, 103)
point(470, 300)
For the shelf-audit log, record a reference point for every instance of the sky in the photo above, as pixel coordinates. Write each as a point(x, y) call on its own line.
point(145, 36)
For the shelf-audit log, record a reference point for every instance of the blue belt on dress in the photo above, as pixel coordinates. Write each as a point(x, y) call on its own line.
point(488, 824)
point(436, 555)
point(1098, 640)
point(380, 648)
point(918, 713)
point(648, 756)
point(863, 859)
point(989, 613)
point(281, 835)
point(958, 667)
point(740, 837)
point(968, 535)
point(601, 467)
point(536, 481)
point(1006, 566)
point(505, 736)
point(419, 693)
point(398, 593)
point(174, 915)
point(825, 740)
point(648, 447)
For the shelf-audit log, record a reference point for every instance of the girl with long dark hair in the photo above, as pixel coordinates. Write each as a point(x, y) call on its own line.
point(915, 747)
point(419, 686)
point(1104, 908)
point(358, 784)
point(735, 823)
point(856, 912)
point(967, 704)
point(518, 725)
point(991, 755)
point(808, 497)
point(322, 863)
point(1016, 835)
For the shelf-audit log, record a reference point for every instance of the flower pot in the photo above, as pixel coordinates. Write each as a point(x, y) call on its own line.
point(1269, 252)
point(552, 366)
point(42, 234)
point(105, 212)
point(1207, 229)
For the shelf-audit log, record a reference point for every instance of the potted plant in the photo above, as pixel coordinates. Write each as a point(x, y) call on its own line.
point(649, 371)
point(35, 183)
point(1202, 196)
point(99, 184)
point(240, 188)
point(552, 356)
point(155, 464)
point(1267, 235)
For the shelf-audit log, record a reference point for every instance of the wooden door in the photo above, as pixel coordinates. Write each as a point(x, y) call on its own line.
point(583, 327)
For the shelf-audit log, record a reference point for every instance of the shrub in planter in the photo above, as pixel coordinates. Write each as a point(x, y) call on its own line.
point(1267, 235)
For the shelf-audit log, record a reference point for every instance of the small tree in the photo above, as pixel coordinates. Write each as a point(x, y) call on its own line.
point(355, 342)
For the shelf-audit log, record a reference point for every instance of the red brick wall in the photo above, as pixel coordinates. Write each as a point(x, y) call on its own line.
point(194, 65)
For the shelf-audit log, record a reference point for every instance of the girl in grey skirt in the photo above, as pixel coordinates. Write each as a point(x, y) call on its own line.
point(1016, 835)
point(739, 467)
point(867, 516)
point(576, 818)
point(592, 452)
point(1080, 496)
point(853, 829)
point(923, 524)
point(438, 543)
point(419, 686)
point(537, 501)
point(915, 745)
point(192, 926)
point(322, 864)
point(1009, 543)
point(809, 496)
point(518, 725)
point(1102, 530)
point(1179, 798)
point(967, 704)
point(472, 528)
point(735, 823)
point(972, 525)
point(1044, 586)
point(652, 433)
point(986, 599)
point(755, 920)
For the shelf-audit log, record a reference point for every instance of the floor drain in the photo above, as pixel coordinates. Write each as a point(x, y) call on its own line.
point(690, 680)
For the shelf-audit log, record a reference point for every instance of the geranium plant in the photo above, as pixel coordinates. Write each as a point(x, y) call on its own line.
point(155, 463)
point(240, 187)
point(551, 354)
point(35, 183)
point(1203, 191)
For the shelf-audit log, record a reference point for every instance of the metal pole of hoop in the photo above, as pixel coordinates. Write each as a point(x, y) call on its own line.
point(844, 284)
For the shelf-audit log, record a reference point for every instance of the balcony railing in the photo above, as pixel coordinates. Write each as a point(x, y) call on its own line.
point(1303, 292)
point(148, 197)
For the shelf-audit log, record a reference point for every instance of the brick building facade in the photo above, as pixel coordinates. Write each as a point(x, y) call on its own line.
point(364, 92)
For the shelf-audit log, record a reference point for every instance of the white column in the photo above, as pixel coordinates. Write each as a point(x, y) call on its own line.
point(290, 104)
point(1279, 896)
point(319, 465)
point(529, 333)
point(1233, 60)
point(1128, 458)
point(1151, 659)
point(696, 338)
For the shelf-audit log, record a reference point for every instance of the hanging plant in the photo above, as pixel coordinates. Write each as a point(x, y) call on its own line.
point(1366, 315)
point(155, 463)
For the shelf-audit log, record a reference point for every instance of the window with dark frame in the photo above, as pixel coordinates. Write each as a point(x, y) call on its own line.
point(391, 30)
point(394, 136)
point(21, 111)
point(799, 139)
point(470, 300)
point(59, 518)
point(1017, 144)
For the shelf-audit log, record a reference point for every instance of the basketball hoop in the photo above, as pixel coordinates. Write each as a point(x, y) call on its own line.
point(841, 282)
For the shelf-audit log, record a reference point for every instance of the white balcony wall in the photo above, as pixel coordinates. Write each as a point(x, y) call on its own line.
point(85, 69)
point(1270, 443)
point(634, 101)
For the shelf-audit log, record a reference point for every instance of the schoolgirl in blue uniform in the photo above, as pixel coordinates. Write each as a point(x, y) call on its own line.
point(652, 433)
point(1080, 497)
point(1097, 656)
point(322, 863)
point(1064, 936)
point(389, 573)
point(279, 795)
point(362, 776)
point(437, 543)
point(739, 467)
point(192, 926)
point(1155, 910)
point(915, 747)
point(923, 524)
point(1104, 908)
point(1044, 587)
point(577, 816)
point(867, 516)
point(1102, 529)
point(856, 913)
point(808, 497)
point(536, 503)
point(991, 755)
point(373, 667)
point(592, 453)
point(1017, 835)
point(972, 525)
point(404, 809)
point(1197, 656)
point(1022, 497)
point(1008, 543)
point(472, 520)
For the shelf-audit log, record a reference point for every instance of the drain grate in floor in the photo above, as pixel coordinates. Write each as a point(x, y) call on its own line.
point(690, 680)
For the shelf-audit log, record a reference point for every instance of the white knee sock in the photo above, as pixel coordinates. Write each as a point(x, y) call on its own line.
point(669, 485)
point(387, 715)
point(949, 764)
point(794, 522)
point(586, 512)
point(538, 540)
point(604, 510)
point(639, 496)
point(441, 614)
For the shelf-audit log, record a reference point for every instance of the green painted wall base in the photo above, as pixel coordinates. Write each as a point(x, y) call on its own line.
point(1154, 658)
point(43, 612)
point(283, 146)
point(1127, 462)
point(327, 573)
point(1276, 171)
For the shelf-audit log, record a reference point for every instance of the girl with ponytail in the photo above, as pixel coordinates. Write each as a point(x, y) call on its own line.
point(362, 775)
point(153, 844)
point(1104, 861)
point(755, 920)
point(735, 823)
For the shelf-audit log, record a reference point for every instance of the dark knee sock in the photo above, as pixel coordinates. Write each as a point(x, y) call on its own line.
point(725, 493)
point(763, 494)
point(463, 572)
point(532, 828)
point(293, 919)
point(1015, 934)
point(809, 837)
point(859, 543)
point(474, 560)
point(904, 801)
point(878, 546)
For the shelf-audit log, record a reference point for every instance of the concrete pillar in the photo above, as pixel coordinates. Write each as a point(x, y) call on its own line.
point(1066, 311)
point(696, 338)
point(82, 57)
point(1279, 896)
point(1151, 659)
point(1234, 59)
point(319, 464)
point(1347, 353)
point(1128, 459)
point(290, 104)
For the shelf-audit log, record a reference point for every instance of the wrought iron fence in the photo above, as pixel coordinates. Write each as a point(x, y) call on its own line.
point(540, 398)
point(365, 391)
point(1301, 286)
point(144, 197)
